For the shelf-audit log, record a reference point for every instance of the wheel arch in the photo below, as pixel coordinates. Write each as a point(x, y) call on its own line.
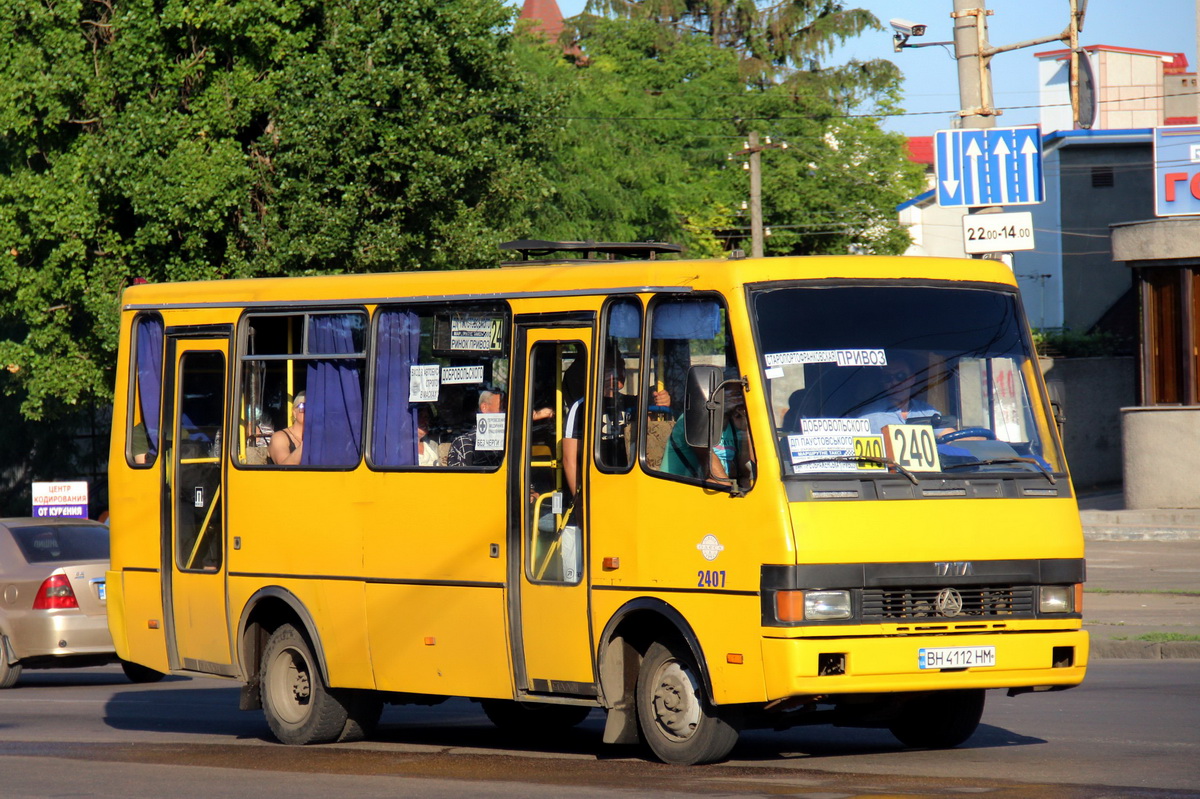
point(623, 643)
point(265, 611)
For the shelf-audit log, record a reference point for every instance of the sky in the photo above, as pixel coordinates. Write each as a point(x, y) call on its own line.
point(931, 78)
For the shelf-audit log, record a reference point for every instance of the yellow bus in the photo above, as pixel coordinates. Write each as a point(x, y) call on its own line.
point(703, 496)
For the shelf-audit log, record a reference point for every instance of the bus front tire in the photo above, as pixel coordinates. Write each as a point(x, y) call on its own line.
point(677, 721)
point(299, 708)
point(939, 719)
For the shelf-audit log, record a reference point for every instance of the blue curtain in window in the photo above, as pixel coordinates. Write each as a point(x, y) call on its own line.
point(394, 428)
point(690, 319)
point(149, 377)
point(333, 413)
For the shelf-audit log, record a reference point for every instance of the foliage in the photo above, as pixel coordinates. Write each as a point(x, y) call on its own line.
point(1071, 344)
point(770, 40)
point(172, 140)
point(653, 114)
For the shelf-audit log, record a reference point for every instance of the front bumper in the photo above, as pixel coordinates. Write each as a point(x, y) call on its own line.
point(793, 666)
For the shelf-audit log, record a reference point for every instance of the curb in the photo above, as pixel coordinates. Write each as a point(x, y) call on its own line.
point(1143, 650)
point(1129, 532)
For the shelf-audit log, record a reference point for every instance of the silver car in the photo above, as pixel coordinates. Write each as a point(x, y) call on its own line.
point(52, 598)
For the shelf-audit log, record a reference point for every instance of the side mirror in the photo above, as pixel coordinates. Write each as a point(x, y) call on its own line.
point(1058, 403)
point(703, 406)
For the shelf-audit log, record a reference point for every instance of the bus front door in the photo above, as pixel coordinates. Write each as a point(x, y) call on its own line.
point(194, 520)
point(550, 615)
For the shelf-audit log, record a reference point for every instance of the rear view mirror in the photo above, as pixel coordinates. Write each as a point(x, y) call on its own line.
point(1058, 403)
point(703, 406)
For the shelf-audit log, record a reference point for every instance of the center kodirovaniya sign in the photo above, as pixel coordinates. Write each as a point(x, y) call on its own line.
point(60, 500)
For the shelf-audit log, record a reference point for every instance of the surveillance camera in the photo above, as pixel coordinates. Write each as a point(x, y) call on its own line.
point(906, 27)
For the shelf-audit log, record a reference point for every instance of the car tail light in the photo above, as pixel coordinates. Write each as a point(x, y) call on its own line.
point(55, 594)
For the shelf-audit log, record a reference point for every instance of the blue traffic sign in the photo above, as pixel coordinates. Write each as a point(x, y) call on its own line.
point(1177, 170)
point(997, 166)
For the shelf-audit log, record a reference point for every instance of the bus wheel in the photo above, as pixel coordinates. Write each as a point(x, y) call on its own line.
point(533, 718)
point(678, 723)
point(299, 708)
point(139, 673)
point(939, 719)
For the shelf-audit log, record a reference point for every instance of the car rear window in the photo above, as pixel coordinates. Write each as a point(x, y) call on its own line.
point(62, 543)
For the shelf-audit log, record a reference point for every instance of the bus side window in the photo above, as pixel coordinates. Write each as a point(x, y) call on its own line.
point(687, 332)
point(619, 416)
point(438, 369)
point(142, 440)
point(319, 355)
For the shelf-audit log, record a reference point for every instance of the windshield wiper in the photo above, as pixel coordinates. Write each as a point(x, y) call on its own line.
point(863, 458)
point(990, 461)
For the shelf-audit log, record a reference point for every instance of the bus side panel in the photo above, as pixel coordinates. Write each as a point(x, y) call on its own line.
point(432, 573)
point(302, 531)
point(135, 606)
point(336, 609)
point(707, 548)
point(135, 609)
point(443, 640)
point(727, 629)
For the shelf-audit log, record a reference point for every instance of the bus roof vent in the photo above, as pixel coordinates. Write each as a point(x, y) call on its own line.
point(576, 251)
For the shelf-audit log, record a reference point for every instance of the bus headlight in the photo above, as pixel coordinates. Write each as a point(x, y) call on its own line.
point(1057, 599)
point(823, 605)
point(796, 606)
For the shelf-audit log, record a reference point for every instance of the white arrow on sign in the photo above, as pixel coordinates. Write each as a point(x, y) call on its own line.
point(1030, 151)
point(951, 186)
point(974, 153)
point(1001, 150)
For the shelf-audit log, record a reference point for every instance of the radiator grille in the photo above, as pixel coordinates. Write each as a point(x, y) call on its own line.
point(921, 603)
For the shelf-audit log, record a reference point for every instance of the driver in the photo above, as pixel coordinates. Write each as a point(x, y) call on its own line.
point(899, 403)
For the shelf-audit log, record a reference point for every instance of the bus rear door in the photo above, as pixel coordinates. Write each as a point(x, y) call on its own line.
point(552, 639)
point(193, 526)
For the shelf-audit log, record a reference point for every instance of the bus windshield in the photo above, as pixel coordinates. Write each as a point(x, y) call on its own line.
point(873, 379)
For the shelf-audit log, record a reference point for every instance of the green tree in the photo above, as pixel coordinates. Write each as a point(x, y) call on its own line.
point(653, 111)
point(174, 140)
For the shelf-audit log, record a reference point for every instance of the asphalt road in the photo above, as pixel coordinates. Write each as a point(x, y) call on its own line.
point(1131, 730)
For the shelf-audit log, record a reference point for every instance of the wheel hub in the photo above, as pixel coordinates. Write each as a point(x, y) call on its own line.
point(676, 703)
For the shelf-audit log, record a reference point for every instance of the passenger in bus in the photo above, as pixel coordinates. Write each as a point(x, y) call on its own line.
point(139, 443)
point(287, 445)
point(900, 403)
point(724, 460)
point(463, 451)
point(618, 412)
point(427, 445)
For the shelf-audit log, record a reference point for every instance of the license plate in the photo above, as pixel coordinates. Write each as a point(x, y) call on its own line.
point(956, 657)
point(100, 589)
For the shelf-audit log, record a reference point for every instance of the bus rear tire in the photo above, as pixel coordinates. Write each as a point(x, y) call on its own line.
point(939, 719)
point(299, 708)
point(677, 721)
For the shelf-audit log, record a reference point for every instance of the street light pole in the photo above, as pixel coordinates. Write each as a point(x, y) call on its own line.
point(756, 222)
point(974, 67)
point(753, 148)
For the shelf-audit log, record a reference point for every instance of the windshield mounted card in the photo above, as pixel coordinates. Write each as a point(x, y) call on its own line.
point(912, 447)
point(831, 445)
